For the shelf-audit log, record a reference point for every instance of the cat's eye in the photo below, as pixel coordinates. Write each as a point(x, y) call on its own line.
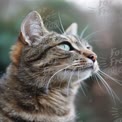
point(64, 47)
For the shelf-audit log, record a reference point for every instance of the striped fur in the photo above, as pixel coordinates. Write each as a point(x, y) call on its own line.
point(27, 92)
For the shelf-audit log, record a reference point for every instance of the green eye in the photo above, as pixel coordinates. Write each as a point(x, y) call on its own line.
point(64, 47)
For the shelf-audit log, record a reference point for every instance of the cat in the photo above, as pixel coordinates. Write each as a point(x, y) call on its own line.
point(42, 80)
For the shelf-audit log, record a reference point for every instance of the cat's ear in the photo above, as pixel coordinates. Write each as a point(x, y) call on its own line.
point(32, 28)
point(72, 29)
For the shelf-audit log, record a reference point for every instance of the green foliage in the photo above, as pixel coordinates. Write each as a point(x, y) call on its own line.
point(8, 34)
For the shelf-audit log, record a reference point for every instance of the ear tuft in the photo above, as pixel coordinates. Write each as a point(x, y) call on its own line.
point(32, 28)
point(72, 29)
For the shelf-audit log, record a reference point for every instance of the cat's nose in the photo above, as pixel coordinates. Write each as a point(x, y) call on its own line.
point(90, 55)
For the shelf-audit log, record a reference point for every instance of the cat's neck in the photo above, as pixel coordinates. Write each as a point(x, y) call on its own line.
point(32, 100)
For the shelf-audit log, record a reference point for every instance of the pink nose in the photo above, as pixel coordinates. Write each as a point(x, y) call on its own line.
point(89, 54)
point(92, 57)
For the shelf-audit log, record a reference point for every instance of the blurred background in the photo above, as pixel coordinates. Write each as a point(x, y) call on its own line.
point(100, 23)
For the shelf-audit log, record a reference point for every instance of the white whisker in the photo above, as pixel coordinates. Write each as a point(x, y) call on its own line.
point(98, 82)
point(90, 35)
point(108, 88)
point(79, 41)
point(59, 28)
point(61, 23)
point(103, 65)
point(102, 58)
point(102, 62)
point(69, 81)
point(56, 73)
point(83, 31)
point(115, 108)
point(113, 79)
point(81, 84)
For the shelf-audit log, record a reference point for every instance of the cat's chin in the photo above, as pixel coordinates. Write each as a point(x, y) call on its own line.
point(76, 75)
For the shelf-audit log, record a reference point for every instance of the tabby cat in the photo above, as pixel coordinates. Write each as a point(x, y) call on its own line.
point(46, 68)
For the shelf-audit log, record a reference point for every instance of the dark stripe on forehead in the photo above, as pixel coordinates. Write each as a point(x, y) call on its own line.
point(76, 37)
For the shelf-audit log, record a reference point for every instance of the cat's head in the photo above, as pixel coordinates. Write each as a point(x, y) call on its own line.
point(49, 58)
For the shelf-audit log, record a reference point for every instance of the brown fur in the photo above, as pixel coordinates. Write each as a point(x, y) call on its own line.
point(16, 50)
point(28, 92)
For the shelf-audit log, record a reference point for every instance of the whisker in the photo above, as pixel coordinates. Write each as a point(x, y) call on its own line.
point(115, 108)
point(70, 81)
point(81, 84)
point(90, 35)
point(64, 76)
point(103, 66)
point(113, 79)
point(56, 26)
point(83, 31)
point(98, 82)
point(61, 22)
point(103, 63)
point(82, 88)
point(102, 58)
point(100, 61)
point(45, 69)
point(56, 73)
point(79, 40)
point(108, 88)
point(59, 28)
point(115, 113)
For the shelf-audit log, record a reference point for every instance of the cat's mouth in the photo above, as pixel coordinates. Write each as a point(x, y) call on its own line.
point(79, 67)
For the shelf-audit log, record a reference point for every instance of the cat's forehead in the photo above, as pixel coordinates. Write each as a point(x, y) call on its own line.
point(70, 38)
point(77, 39)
